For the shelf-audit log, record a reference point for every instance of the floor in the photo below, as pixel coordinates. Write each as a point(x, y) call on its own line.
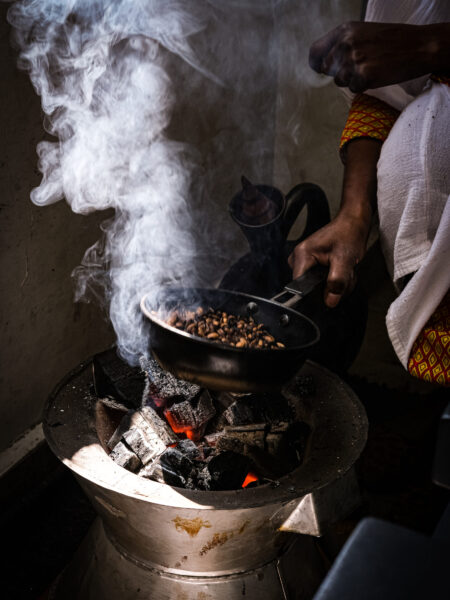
point(394, 473)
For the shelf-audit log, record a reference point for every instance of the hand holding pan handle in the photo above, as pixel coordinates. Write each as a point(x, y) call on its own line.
point(303, 285)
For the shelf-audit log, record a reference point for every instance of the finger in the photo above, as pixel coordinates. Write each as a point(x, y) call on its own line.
point(336, 59)
point(357, 84)
point(320, 49)
point(343, 77)
point(300, 261)
point(339, 278)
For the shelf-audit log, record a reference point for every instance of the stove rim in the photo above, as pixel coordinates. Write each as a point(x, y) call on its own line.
point(110, 476)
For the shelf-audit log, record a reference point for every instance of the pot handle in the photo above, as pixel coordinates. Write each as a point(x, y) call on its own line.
point(314, 198)
point(300, 287)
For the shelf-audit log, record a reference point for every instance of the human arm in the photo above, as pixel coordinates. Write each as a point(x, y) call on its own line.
point(371, 55)
point(342, 243)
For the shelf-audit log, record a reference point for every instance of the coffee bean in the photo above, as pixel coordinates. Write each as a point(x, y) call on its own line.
point(221, 327)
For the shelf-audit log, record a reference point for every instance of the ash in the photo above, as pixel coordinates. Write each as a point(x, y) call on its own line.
point(164, 383)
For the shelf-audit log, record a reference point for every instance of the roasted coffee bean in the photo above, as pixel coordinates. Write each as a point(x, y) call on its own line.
point(219, 326)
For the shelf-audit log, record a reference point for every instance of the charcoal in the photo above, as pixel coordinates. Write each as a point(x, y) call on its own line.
point(126, 458)
point(124, 425)
point(238, 437)
point(212, 438)
point(191, 415)
point(145, 433)
point(164, 384)
point(232, 444)
point(262, 408)
point(158, 472)
point(115, 379)
point(277, 439)
point(228, 471)
point(113, 404)
point(189, 449)
point(239, 413)
point(172, 467)
point(158, 425)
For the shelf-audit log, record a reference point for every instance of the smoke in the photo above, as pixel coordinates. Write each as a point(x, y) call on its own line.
point(118, 82)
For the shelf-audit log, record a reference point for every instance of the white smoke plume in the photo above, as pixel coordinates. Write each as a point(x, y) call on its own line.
point(102, 74)
point(119, 83)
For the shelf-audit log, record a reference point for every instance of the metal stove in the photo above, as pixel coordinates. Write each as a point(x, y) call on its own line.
point(157, 542)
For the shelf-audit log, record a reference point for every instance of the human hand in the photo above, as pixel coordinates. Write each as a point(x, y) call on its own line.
point(340, 245)
point(371, 55)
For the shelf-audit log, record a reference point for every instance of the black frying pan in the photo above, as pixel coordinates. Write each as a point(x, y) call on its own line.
point(222, 367)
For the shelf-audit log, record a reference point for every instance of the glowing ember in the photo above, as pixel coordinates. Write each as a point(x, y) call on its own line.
point(191, 434)
point(251, 477)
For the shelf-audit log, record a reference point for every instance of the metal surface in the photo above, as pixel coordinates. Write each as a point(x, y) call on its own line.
point(185, 543)
point(223, 367)
point(301, 286)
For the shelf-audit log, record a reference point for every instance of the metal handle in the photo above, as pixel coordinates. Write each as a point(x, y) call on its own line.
point(303, 285)
point(318, 212)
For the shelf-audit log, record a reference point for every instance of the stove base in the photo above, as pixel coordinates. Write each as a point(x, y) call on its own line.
point(101, 571)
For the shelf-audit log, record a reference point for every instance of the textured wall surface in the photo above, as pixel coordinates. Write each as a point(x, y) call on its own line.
point(43, 333)
point(311, 110)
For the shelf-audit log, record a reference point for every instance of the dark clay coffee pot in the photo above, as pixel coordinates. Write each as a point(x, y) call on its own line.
point(266, 218)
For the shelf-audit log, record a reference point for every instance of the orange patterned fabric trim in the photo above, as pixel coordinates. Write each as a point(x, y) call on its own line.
point(368, 117)
point(440, 78)
point(430, 354)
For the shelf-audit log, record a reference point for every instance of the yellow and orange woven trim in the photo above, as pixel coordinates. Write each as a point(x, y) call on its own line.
point(368, 117)
point(430, 355)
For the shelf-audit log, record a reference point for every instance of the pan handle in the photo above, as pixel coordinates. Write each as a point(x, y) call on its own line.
point(303, 285)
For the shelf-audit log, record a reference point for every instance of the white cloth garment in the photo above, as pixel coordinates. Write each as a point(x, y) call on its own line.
point(414, 185)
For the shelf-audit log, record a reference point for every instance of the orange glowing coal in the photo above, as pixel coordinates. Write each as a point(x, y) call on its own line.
point(251, 477)
point(191, 434)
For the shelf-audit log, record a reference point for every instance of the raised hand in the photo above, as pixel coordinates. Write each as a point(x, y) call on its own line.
point(371, 55)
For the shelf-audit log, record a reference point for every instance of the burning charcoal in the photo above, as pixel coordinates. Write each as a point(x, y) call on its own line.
point(115, 378)
point(228, 470)
point(191, 416)
point(164, 385)
point(145, 433)
point(124, 457)
point(160, 427)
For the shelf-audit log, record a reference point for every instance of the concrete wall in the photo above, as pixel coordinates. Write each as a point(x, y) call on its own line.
point(311, 110)
point(43, 333)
